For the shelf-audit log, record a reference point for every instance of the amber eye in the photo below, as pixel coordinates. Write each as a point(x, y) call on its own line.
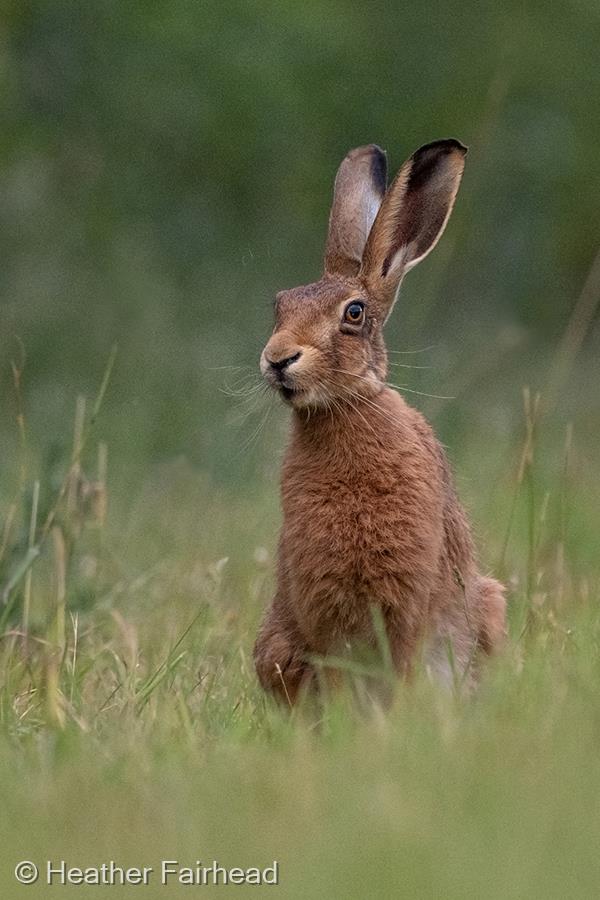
point(354, 313)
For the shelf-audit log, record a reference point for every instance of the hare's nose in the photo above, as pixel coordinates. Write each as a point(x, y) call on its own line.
point(280, 364)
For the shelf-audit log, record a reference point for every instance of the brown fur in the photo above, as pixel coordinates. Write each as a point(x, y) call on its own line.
point(370, 515)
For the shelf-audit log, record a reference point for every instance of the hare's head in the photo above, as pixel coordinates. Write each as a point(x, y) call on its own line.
point(327, 344)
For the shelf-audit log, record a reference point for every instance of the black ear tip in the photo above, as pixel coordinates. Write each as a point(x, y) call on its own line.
point(374, 160)
point(457, 145)
point(368, 151)
point(379, 168)
point(430, 157)
point(447, 145)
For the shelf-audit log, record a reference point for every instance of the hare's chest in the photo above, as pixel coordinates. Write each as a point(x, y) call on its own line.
point(338, 520)
point(342, 548)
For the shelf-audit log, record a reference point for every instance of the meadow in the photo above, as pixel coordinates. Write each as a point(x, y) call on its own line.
point(164, 169)
point(133, 728)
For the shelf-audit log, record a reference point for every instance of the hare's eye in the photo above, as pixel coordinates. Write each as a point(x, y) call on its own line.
point(354, 313)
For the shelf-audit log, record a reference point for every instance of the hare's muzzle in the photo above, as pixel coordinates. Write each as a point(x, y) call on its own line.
point(277, 365)
point(280, 365)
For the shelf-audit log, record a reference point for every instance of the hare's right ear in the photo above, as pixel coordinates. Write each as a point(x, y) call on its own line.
point(359, 188)
point(412, 216)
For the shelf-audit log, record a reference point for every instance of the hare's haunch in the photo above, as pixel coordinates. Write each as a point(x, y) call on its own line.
point(370, 516)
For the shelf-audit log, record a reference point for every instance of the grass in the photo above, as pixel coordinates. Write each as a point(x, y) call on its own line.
point(132, 729)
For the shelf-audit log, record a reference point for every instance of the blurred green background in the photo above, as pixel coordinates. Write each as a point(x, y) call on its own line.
point(165, 167)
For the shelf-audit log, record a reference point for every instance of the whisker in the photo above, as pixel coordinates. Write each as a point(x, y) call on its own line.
point(399, 387)
point(406, 365)
point(409, 352)
point(243, 385)
point(255, 434)
point(343, 411)
point(371, 403)
point(349, 396)
point(240, 416)
point(383, 412)
point(241, 392)
point(248, 404)
point(219, 368)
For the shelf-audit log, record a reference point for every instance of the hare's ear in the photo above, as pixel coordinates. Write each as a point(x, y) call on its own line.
point(412, 217)
point(359, 188)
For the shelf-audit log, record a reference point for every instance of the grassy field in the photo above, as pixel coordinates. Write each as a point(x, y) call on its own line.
point(132, 728)
point(164, 169)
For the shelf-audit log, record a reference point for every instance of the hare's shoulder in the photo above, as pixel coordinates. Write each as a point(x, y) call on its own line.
point(414, 435)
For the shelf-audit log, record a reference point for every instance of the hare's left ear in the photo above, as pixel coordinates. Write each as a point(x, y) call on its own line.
point(359, 188)
point(412, 217)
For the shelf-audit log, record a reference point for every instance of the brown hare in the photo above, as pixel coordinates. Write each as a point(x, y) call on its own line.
point(370, 515)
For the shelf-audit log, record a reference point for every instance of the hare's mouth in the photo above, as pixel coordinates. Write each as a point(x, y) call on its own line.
point(288, 392)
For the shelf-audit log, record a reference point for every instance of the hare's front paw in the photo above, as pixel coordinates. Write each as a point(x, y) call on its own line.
point(281, 665)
